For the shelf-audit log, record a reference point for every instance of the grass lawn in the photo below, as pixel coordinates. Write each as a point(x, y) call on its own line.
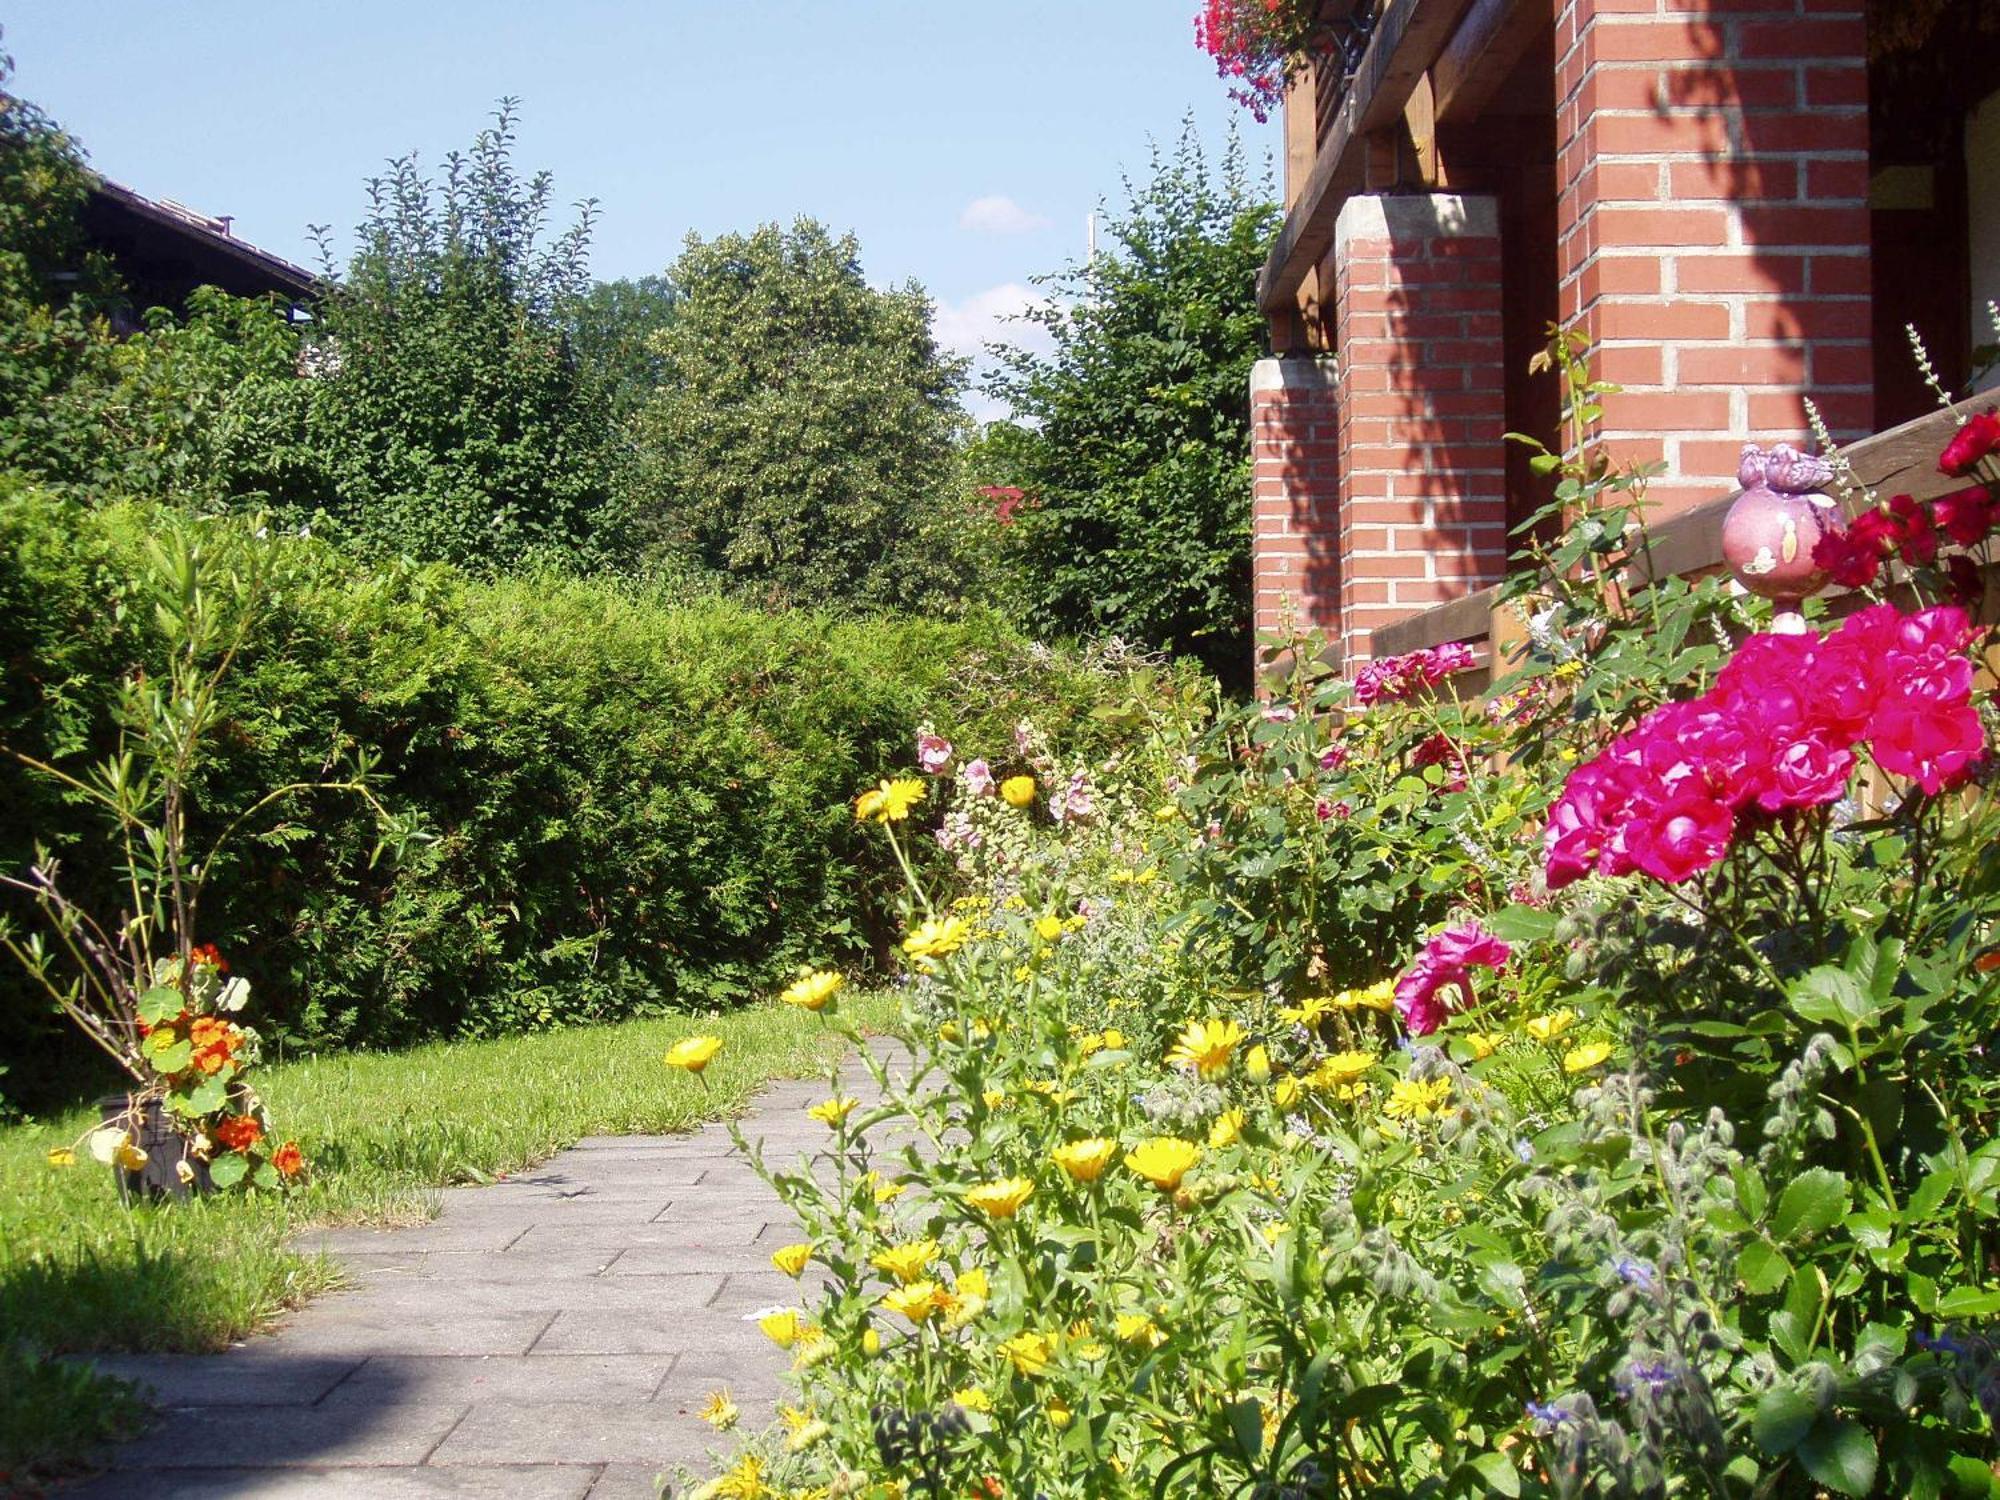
point(80, 1273)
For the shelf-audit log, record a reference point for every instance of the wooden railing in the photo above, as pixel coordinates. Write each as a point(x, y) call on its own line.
point(1902, 460)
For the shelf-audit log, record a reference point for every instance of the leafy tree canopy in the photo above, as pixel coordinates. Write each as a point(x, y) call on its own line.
point(802, 433)
point(1133, 446)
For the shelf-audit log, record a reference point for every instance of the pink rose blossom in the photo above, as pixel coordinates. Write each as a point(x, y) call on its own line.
point(1442, 974)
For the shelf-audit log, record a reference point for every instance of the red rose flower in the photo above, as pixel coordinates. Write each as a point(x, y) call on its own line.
point(1978, 438)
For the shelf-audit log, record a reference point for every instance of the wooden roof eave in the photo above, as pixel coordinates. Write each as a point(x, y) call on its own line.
point(1408, 38)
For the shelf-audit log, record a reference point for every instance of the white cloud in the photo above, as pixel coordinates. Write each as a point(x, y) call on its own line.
point(968, 325)
point(999, 214)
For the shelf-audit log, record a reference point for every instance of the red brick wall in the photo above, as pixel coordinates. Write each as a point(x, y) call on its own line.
point(1713, 222)
point(1295, 446)
point(1417, 323)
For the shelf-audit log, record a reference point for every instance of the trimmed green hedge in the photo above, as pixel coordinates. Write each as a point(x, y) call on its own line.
point(631, 804)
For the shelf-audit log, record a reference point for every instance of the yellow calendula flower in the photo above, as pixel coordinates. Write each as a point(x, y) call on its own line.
point(783, 1326)
point(807, 1433)
point(1380, 995)
point(1114, 1039)
point(890, 802)
point(1163, 1161)
point(1048, 929)
point(871, 1343)
point(1060, 1416)
point(1287, 1092)
point(1205, 1047)
point(1409, 1100)
point(830, 1112)
point(1137, 1329)
point(791, 1259)
point(693, 1053)
point(1546, 1028)
point(719, 1411)
point(1002, 1199)
point(937, 936)
point(812, 991)
point(1586, 1057)
point(1085, 1160)
point(62, 1156)
point(905, 1262)
point(743, 1481)
point(918, 1301)
point(1485, 1043)
point(994, 1098)
point(1309, 1012)
point(1257, 1064)
point(1227, 1129)
point(972, 1398)
point(1018, 791)
point(1030, 1353)
point(1340, 1068)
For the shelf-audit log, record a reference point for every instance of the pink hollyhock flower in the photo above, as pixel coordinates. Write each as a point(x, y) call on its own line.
point(1929, 741)
point(1977, 439)
point(1333, 757)
point(1680, 837)
point(933, 752)
point(1322, 809)
point(1966, 516)
point(978, 778)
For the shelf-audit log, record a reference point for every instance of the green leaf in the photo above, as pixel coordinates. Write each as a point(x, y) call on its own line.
point(1814, 1200)
point(160, 1004)
point(204, 1099)
point(1968, 1302)
point(1521, 924)
point(226, 1171)
point(1246, 1421)
point(1762, 1267)
point(1840, 1455)
point(1497, 1472)
point(1783, 1416)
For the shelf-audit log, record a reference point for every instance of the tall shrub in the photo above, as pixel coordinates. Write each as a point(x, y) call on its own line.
point(1134, 451)
point(801, 438)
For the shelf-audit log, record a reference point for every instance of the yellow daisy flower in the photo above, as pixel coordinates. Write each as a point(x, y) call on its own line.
point(830, 1112)
point(935, 937)
point(791, 1259)
point(905, 1262)
point(1085, 1160)
point(719, 1411)
point(812, 991)
point(1205, 1047)
point(1586, 1057)
point(693, 1052)
point(1340, 1068)
point(1409, 1100)
point(1227, 1129)
point(1030, 1353)
point(1002, 1199)
point(1163, 1161)
point(890, 802)
point(1546, 1028)
point(972, 1398)
point(918, 1301)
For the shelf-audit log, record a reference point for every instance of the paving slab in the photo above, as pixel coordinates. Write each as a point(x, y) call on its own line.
point(551, 1335)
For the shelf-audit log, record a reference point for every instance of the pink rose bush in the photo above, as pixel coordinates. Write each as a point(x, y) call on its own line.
point(1441, 977)
point(1777, 732)
point(1391, 679)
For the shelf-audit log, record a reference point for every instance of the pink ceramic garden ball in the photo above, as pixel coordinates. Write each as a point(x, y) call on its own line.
point(1769, 533)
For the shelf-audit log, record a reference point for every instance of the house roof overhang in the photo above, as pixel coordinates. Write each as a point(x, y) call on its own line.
point(1452, 53)
point(190, 245)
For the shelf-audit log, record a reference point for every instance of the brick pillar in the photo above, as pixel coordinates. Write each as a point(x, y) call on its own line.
point(1423, 495)
point(1713, 222)
point(1295, 448)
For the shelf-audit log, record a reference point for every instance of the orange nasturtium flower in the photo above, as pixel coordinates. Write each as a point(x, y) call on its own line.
point(239, 1132)
point(288, 1159)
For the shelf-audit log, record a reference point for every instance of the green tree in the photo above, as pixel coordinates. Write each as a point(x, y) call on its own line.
point(611, 329)
point(801, 442)
point(1134, 441)
point(453, 415)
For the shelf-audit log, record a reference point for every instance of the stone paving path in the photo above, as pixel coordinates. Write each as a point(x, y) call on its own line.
point(551, 1336)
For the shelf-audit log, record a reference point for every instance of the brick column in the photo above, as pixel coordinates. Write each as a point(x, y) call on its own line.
point(1713, 222)
point(1423, 495)
point(1295, 448)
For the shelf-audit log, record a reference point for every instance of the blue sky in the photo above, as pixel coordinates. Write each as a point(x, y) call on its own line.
point(963, 142)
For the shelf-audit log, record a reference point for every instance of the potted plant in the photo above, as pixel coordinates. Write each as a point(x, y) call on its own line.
point(163, 1007)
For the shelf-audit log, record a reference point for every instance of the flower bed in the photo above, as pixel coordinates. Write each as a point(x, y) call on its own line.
point(1576, 1092)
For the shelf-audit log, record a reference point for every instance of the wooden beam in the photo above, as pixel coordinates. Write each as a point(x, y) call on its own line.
point(1902, 460)
point(1407, 38)
point(1494, 36)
